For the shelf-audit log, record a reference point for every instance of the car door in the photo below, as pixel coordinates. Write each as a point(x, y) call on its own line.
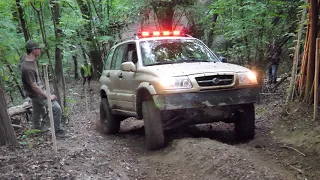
point(112, 72)
point(128, 84)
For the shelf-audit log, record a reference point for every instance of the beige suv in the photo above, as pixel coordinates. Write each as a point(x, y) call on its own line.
point(171, 81)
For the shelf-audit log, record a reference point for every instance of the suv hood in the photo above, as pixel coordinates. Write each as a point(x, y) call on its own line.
point(181, 69)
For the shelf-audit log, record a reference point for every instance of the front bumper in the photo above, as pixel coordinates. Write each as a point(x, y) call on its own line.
point(207, 99)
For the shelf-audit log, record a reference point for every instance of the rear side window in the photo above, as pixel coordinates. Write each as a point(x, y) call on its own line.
point(109, 58)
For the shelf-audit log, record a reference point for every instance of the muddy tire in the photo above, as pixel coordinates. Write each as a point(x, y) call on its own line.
point(110, 124)
point(245, 122)
point(152, 125)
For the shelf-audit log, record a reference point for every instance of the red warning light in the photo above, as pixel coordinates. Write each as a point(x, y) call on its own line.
point(144, 33)
point(176, 33)
point(156, 33)
point(166, 33)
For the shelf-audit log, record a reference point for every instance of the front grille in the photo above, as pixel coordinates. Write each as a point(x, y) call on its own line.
point(215, 80)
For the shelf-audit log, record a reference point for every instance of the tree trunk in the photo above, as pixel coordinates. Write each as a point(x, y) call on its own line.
point(75, 61)
point(7, 134)
point(22, 21)
point(210, 33)
point(313, 35)
point(58, 52)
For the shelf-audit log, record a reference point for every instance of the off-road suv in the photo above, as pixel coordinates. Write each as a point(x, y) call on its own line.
point(171, 81)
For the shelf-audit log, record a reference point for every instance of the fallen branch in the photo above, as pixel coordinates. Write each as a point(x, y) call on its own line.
point(17, 126)
point(270, 93)
point(297, 169)
point(281, 81)
point(294, 150)
point(6, 157)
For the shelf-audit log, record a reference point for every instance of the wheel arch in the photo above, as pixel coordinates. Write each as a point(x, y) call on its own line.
point(104, 91)
point(144, 92)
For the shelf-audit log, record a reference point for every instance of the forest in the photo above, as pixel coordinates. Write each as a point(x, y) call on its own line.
point(74, 31)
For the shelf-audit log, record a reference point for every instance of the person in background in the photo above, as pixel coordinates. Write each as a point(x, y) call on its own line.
point(34, 89)
point(86, 73)
point(274, 60)
point(222, 58)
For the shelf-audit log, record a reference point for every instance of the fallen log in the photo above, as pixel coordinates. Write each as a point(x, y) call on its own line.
point(21, 109)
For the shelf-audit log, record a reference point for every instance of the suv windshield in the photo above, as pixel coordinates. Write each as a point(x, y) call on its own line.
point(169, 51)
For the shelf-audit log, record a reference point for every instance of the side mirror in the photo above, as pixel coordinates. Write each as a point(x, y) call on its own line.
point(224, 60)
point(128, 66)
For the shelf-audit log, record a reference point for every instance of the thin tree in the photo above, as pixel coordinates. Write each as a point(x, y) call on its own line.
point(58, 51)
point(22, 21)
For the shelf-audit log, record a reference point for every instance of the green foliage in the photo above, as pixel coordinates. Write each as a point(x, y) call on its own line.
point(103, 16)
point(248, 28)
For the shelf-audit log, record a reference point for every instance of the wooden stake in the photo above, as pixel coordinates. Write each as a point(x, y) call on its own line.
point(86, 97)
point(53, 133)
point(316, 81)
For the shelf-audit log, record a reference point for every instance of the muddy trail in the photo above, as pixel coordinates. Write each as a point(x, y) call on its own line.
point(199, 152)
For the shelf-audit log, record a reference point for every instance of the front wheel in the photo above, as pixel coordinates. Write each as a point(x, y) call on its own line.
point(110, 124)
point(245, 122)
point(152, 125)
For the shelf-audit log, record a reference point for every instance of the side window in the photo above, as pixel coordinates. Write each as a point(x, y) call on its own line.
point(117, 58)
point(109, 58)
point(131, 47)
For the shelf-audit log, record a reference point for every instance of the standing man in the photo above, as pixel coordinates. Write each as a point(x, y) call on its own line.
point(86, 73)
point(34, 89)
point(274, 60)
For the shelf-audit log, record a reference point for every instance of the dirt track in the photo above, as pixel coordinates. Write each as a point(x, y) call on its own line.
point(202, 152)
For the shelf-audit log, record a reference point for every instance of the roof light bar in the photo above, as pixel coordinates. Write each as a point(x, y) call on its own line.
point(159, 33)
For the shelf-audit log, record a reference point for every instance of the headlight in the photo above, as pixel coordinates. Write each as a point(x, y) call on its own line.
point(247, 78)
point(176, 83)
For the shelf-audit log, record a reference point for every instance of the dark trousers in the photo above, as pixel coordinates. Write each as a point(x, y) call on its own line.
point(85, 79)
point(272, 73)
point(38, 107)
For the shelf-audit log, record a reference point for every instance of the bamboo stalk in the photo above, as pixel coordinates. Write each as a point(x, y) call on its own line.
point(316, 84)
point(304, 65)
point(50, 108)
point(296, 59)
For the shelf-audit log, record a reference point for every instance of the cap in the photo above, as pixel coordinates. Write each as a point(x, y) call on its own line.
point(33, 44)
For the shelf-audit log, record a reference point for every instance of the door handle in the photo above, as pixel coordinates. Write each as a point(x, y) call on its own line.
point(108, 75)
point(121, 76)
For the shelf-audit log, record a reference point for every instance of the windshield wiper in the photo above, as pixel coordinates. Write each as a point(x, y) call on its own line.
point(193, 60)
point(161, 62)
